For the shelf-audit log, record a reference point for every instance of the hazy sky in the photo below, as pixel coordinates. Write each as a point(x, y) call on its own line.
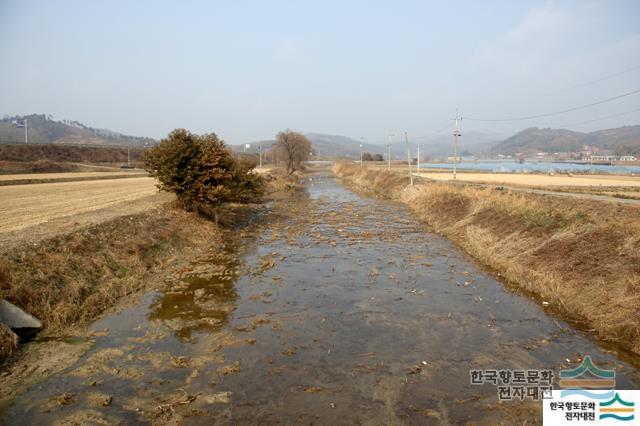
point(246, 69)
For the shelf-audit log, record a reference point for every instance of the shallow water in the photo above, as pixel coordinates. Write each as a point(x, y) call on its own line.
point(330, 308)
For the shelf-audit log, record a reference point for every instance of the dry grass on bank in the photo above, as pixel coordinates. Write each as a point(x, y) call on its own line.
point(386, 183)
point(8, 342)
point(582, 256)
point(279, 181)
point(39, 166)
point(71, 279)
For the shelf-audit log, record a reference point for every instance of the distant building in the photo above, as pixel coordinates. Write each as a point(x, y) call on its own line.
point(610, 158)
point(602, 158)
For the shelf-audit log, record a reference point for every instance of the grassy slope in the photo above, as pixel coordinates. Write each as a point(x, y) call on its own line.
point(71, 279)
point(582, 256)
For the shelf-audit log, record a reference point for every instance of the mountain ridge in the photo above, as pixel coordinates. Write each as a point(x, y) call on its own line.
point(43, 129)
point(623, 140)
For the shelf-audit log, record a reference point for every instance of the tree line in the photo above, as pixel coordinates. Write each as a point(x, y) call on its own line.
point(202, 171)
point(367, 156)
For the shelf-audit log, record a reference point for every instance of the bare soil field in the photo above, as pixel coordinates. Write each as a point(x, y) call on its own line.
point(81, 175)
point(31, 178)
point(23, 206)
point(539, 180)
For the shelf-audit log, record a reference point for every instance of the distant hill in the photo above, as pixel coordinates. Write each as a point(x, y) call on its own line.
point(472, 143)
point(341, 146)
point(43, 129)
point(323, 145)
point(620, 141)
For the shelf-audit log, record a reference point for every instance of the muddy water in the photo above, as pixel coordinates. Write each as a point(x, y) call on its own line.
point(330, 308)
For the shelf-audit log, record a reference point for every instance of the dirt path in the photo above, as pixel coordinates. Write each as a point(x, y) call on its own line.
point(594, 197)
point(538, 179)
point(75, 175)
point(49, 209)
point(33, 178)
point(560, 192)
point(330, 309)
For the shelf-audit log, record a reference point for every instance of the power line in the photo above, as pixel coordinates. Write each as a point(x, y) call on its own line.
point(600, 118)
point(445, 127)
point(556, 112)
point(588, 83)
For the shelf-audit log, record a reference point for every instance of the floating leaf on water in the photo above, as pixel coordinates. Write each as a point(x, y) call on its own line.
point(218, 398)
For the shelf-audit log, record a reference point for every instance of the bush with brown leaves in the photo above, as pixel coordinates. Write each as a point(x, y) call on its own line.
point(202, 171)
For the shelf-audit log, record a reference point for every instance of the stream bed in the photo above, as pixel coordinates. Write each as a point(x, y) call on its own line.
point(329, 308)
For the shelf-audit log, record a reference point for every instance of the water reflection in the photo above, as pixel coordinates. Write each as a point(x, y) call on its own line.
point(206, 295)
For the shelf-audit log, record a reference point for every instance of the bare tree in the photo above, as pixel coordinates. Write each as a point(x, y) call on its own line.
point(292, 148)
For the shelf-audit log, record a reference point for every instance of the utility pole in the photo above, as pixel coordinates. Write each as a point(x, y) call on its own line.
point(418, 165)
point(406, 142)
point(26, 130)
point(360, 155)
point(456, 133)
point(389, 134)
point(260, 149)
point(129, 155)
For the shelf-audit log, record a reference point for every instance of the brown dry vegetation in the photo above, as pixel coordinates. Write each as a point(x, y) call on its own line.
point(278, 180)
point(67, 153)
point(69, 280)
point(386, 183)
point(582, 256)
point(543, 181)
point(8, 341)
point(39, 166)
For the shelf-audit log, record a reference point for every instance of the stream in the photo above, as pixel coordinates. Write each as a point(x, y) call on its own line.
point(330, 307)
